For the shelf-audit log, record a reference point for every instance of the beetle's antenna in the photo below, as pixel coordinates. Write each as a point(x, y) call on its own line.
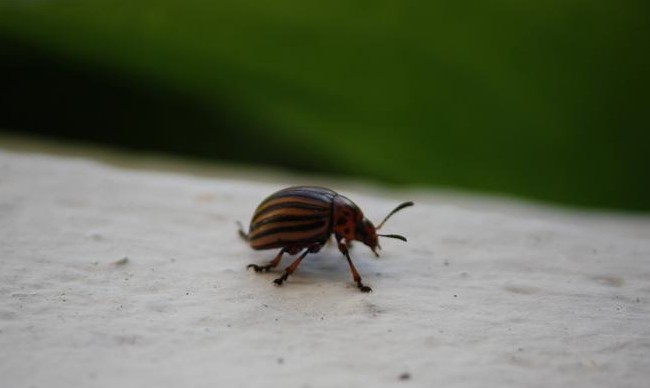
point(397, 236)
point(398, 208)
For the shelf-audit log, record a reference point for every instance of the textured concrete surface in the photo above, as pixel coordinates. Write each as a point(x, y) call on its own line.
point(111, 277)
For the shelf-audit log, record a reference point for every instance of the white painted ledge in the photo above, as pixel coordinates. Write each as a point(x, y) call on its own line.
point(485, 294)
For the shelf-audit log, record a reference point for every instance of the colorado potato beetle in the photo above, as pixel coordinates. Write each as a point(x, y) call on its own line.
point(303, 218)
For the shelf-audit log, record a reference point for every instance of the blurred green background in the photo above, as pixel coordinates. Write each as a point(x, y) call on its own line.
point(545, 99)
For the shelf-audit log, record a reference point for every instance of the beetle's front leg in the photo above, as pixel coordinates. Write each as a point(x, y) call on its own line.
point(355, 275)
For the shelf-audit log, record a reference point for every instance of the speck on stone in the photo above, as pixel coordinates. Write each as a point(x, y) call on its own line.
point(122, 261)
point(405, 376)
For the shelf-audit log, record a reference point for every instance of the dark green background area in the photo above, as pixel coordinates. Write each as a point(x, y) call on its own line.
point(548, 100)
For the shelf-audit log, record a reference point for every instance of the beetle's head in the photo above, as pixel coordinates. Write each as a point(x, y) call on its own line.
point(350, 223)
point(366, 232)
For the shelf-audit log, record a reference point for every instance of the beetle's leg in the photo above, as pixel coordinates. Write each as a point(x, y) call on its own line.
point(355, 275)
point(242, 234)
point(292, 267)
point(273, 263)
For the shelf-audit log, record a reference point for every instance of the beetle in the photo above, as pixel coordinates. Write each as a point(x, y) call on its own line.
point(303, 218)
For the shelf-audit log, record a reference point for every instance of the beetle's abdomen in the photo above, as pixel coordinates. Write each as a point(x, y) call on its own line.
point(293, 217)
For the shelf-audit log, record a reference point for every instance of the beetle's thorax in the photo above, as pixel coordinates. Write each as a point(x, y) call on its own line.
point(349, 223)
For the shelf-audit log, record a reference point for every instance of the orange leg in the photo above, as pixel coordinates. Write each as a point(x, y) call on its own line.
point(355, 275)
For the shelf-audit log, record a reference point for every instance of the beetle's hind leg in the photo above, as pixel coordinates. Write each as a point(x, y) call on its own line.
point(276, 260)
point(272, 264)
point(242, 234)
point(294, 265)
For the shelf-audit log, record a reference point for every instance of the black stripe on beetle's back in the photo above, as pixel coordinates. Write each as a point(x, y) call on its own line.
point(303, 194)
point(286, 218)
point(291, 205)
point(288, 229)
point(314, 193)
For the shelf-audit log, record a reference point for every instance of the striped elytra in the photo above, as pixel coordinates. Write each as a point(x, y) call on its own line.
point(293, 216)
point(303, 218)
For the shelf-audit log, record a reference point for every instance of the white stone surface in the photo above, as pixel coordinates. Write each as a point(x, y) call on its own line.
point(486, 293)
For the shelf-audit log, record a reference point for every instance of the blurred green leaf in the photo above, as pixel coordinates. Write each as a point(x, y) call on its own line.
point(545, 99)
